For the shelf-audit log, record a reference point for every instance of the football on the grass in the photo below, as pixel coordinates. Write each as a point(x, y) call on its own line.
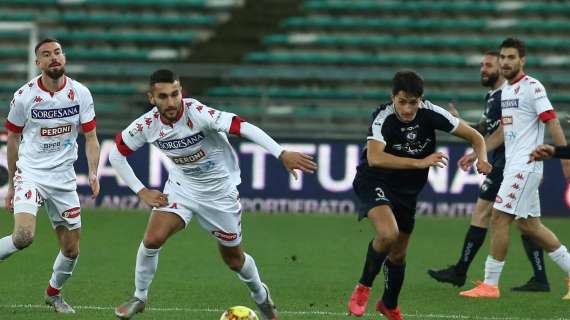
point(239, 313)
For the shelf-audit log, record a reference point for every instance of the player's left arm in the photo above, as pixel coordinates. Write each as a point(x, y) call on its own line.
point(89, 124)
point(291, 160)
point(233, 124)
point(547, 114)
point(555, 130)
point(92, 153)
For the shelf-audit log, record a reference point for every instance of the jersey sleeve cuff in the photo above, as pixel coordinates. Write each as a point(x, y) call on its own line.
point(121, 146)
point(88, 126)
point(547, 115)
point(235, 126)
point(12, 127)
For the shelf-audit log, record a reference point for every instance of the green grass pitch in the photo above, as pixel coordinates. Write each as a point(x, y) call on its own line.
point(311, 263)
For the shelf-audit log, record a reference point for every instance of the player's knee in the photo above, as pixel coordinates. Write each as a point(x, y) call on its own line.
point(398, 258)
point(154, 240)
point(71, 253)
point(233, 261)
point(23, 238)
point(387, 239)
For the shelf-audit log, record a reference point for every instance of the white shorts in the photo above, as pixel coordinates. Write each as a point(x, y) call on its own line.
point(221, 217)
point(518, 194)
point(62, 206)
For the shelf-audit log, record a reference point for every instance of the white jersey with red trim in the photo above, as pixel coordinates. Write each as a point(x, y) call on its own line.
point(49, 123)
point(204, 161)
point(522, 103)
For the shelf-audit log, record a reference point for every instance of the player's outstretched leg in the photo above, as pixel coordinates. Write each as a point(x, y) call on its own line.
point(388, 305)
point(7, 247)
point(372, 266)
point(562, 259)
point(146, 265)
point(21, 238)
point(538, 282)
point(62, 269)
point(246, 269)
point(457, 274)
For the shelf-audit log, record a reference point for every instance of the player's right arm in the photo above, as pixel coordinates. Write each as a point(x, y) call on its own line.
point(15, 125)
point(377, 157)
point(126, 143)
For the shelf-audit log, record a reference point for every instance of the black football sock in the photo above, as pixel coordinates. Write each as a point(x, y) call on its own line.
point(535, 255)
point(372, 266)
point(393, 281)
point(473, 240)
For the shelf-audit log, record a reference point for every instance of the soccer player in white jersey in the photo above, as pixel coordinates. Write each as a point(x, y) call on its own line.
point(45, 117)
point(202, 182)
point(526, 112)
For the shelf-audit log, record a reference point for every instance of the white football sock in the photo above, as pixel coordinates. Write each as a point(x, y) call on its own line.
point(147, 262)
point(7, 247)
point(493, 269)
point(62, 270)
point(562, 258)
point(250, 276)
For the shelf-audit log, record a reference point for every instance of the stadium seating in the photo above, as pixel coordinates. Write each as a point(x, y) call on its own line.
point(332, 60)
point(95, 33)
point(345, 52)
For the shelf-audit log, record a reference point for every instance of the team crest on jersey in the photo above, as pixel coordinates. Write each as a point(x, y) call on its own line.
point(411, 136)
point(55, 113)
point(50, 132)
point(509, 104)
point(71, 95)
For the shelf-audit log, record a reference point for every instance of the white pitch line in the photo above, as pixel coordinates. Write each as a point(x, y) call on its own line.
point(316, 312)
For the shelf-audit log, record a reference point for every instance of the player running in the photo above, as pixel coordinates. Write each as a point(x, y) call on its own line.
point(526, 112)
point(202, 183)
point(456, 274)
point(393, 170)
point(44, 120)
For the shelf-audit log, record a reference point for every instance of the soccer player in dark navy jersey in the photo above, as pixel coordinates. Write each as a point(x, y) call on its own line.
point(457, 273)
point(393, 170)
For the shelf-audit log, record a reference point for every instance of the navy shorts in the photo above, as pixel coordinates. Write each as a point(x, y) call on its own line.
point(372, 194)
point(491, 185)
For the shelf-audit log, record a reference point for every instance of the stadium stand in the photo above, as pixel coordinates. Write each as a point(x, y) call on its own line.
point(112, 46)
point(291, 64)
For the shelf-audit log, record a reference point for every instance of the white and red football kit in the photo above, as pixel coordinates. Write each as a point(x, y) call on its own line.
point(49, 123)
point(525, 107)
point(205, 173)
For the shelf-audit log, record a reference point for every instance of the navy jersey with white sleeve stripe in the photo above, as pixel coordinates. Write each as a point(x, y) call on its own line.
point(414, 139)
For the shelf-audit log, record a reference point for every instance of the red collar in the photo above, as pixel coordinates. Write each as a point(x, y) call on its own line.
point(178, 117)
point(519, 79)
point(41, 85)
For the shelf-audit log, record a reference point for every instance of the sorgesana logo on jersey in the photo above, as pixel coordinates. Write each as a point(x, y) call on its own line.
point(55, 113)
point(512, 103)
point(181, 143)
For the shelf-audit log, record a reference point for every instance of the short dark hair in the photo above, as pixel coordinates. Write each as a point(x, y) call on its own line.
point(163, 76)
point(492, 53)
point(408, 81)
point(44, 41)
point(514, 43)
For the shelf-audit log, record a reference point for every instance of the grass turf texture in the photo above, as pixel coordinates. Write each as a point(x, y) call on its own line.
point(311, 263)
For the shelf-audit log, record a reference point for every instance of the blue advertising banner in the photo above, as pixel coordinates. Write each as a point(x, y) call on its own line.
point(267, 187)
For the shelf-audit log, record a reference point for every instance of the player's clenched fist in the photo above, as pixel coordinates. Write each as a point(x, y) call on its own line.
point(153, 198)
point(297, 161)
point(542, 152)
point(436, 159)
point(467, 161)
point(484, 167)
